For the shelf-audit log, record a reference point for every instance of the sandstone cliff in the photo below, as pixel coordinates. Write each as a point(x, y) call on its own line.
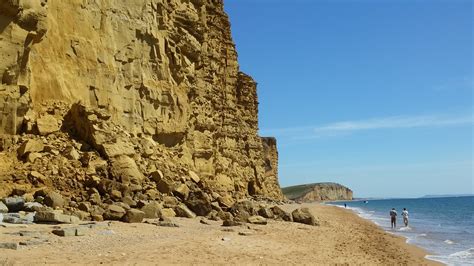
point(318, 192)
point(108, 99)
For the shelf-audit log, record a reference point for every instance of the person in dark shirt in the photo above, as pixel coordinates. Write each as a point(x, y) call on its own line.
point(393, 218)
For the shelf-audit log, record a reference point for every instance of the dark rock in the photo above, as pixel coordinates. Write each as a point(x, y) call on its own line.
point(231, 223)
point(202, 221)
point(281, 214)
point(265, 212)
point(14, 204)
point(242, 210)
point(164, 186)
point(199, 203)
point(84, 206)
point(3, 207)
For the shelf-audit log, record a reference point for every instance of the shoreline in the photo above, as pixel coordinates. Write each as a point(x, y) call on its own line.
point(406, 239)
point(342, 238)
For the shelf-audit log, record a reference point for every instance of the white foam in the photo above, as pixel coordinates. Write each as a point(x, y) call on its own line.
point(461, 258)
point(404, 229)
point(449, 242)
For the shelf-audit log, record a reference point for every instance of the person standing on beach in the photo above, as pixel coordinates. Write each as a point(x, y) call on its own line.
point(405, 216)
point(393, 218)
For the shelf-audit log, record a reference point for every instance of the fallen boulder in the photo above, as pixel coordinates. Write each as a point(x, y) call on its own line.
point(133, 216)
point(55, 217)
point(114, 212)
point(304, 216)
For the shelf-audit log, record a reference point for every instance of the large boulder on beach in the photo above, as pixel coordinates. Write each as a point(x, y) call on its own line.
point(134, 216)
point(114, 212)
point(281, 214)
point(304, 216)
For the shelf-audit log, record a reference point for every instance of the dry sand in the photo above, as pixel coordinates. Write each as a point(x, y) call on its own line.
point(342, 238)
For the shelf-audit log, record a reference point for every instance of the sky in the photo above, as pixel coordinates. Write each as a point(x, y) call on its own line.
point(375, 95)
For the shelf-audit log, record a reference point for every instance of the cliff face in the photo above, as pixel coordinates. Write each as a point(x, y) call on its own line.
point(318, 192)
point(151, 87)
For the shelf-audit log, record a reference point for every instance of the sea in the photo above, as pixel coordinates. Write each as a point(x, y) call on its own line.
point(444, 227)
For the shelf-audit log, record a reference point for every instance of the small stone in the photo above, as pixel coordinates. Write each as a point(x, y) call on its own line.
point(230, 223)
point(167, 212)
point(226, 201)
point(266, 213)
point(164, 186)
point(97, 218)
point(245, 233)
point(194, 177)
point(182, 191)
point(202, 221)
point(256, 219)
point(32, 156)
point(72, 154)
point(30, 233)
point(66, 232)
point(115, 194)
point(167, 224)
point(156, 176)
point(84, 206)
point(129, 201)
point(13, 246)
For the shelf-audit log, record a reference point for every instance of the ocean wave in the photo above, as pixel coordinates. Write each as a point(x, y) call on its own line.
point(403, 229)
point(461, 258)
point(449, 242)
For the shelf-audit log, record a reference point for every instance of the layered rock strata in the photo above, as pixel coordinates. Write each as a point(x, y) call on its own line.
point(318, 192)
point(104, 100)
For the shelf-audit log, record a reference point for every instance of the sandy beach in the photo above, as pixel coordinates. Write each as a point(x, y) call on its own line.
point(342, 238)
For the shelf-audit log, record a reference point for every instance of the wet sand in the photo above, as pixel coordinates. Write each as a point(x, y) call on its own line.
point(342, 238)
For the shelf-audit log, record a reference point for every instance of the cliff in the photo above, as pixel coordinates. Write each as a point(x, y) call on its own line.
point(102, 100)
point(318, 192)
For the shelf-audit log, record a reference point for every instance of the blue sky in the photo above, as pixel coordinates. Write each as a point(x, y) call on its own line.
point(376, 95)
